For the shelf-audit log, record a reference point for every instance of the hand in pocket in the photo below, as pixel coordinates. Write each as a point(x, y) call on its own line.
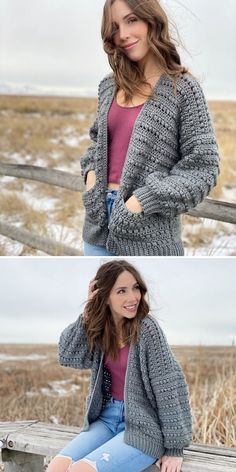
point(133, 205)
point(90, 180)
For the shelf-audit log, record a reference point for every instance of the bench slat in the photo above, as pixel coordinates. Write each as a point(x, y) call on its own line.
point(47, 439)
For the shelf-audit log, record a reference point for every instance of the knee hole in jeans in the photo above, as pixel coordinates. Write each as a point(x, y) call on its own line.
point(92, 463)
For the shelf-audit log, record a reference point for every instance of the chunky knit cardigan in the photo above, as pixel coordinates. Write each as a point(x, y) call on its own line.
point(171, 164)
point(157, 411)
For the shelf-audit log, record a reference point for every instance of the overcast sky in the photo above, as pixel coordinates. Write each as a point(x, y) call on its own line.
point(57, 44)
point(194, 299)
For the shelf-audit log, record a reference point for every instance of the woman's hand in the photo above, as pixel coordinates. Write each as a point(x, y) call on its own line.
point(90, 180)
point(92, 289)
point(133, 205)
point(170, 464)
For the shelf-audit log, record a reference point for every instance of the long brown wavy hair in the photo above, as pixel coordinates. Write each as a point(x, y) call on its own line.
point(128, 75)
point(98, 322)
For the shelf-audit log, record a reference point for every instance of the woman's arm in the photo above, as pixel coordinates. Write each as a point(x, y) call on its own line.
point(87, 160)
point(195, 174)
point(73, 343)
point(73, 346)
point(171, 392)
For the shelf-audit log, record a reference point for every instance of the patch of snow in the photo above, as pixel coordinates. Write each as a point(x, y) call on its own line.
point(229, 194)
point(221, 243)
point(5, 179)
point(57, 388)
point(16, 157)
point(71, 138)
point(10, 246)
point(53, 419)
point(29, 357)
point(80, 116)
point(71, 141)
point(56, 154)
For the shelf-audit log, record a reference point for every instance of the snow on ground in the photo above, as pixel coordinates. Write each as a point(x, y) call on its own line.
point(220, 246)
point(29, 357)
point(56, 388)
point(221, 243)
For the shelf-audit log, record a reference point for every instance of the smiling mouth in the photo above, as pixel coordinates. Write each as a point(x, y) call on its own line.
point(130, 45)
point(131, 308)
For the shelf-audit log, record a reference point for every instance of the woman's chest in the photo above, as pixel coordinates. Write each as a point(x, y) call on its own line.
point(136, 100)
point(154, 139)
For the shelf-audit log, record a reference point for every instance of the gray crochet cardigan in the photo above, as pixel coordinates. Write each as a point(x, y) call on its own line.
point(157, 411)
point(171, 164)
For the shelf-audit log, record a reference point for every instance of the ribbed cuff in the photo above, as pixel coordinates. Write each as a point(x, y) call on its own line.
point(174, 452)
point(146, 200)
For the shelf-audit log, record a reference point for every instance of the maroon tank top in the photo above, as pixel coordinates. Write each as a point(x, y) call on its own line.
point(120, 125)
point(117, 370)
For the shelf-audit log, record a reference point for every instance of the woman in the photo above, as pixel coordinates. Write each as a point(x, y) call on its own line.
point(154, 154)
point(138, 410)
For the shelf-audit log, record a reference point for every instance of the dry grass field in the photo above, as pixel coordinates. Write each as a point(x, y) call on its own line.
point(53, 132)
point(34, 386)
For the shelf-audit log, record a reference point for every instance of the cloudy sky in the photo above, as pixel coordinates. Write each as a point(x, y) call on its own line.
point(194, 299)
point(56, 44)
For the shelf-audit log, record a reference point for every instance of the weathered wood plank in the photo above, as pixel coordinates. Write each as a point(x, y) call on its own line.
point(44, 175)
point(215, 210)
point(35, 241)
point(21, 462)
point(196, 462)
point(44, 439)
point(37, 438)
point(212, 449)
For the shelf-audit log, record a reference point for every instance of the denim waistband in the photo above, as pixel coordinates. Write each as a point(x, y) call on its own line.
point(111, 191)
point(113, 400)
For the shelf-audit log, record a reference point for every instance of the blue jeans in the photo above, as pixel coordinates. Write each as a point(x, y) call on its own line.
point(103, 446)
point(92, 250)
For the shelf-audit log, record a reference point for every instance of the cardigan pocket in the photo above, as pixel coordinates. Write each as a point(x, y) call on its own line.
point(94, 205)
point(125, 223)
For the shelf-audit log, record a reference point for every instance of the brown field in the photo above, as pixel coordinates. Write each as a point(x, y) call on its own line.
point(42, 390)
point(53, 132)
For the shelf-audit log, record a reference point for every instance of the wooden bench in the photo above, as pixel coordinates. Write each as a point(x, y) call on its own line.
point(24, 445)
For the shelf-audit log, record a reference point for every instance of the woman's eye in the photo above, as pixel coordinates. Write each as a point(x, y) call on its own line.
point(132, 20)
point(121, 291)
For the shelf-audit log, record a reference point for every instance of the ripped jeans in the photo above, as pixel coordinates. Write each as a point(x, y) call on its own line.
point(103, 446)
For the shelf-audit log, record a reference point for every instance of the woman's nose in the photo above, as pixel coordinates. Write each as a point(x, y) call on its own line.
point(123, 34)
point(131, 298)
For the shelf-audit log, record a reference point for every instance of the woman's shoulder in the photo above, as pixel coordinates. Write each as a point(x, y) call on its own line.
point(189, 88)
point(150, 328)
point(105, 83)
point(187, 80)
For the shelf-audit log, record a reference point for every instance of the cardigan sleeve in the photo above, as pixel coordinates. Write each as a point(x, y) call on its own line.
point(87, 160)
point(73, 346)
point(194, 175)
point(171, 392)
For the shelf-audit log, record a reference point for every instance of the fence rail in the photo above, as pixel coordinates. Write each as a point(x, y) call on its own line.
point(209, 208)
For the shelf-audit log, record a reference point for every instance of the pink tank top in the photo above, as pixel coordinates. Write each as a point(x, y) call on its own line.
point(117, 370)
point(120, 125)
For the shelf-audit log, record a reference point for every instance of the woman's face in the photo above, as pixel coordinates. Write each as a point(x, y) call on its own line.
point(129, 29)
point(124, 297)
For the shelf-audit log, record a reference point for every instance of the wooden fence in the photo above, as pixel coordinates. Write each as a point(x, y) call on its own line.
point(25, 444)
point(209, 208)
